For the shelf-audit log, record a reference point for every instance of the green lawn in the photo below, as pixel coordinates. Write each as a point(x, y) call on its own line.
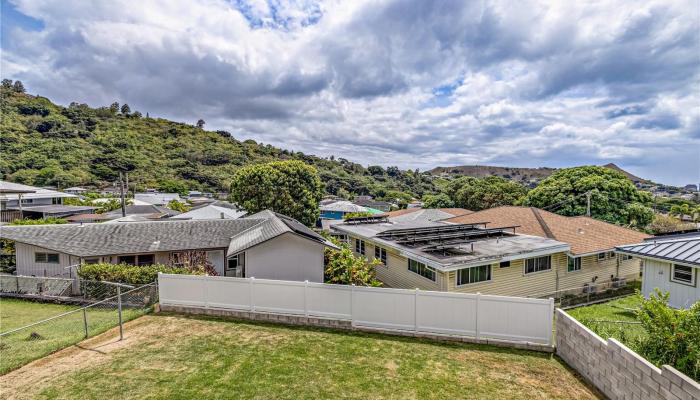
point(615, 310)
point(29, 344)
point(177, 357)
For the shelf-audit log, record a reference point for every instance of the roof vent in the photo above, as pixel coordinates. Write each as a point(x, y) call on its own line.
point(580, 231)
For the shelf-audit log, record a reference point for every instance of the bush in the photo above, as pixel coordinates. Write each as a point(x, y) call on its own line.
point(41, 221)
point(344, 268)
point(129, 274)
point(673, 336)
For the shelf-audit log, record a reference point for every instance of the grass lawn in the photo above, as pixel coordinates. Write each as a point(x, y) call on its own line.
point(176, 357)
point(29, 344)
point(615, 310)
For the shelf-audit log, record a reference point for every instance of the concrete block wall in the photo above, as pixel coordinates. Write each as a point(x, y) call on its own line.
point(614, 369)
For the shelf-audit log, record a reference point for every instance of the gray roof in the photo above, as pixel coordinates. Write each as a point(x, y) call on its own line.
point(144, 209)
point(484, 250)
point(272, 226)
point(343, 206)
point(9, 190)
point(427, 214)
point(685, 250)
point(58, 209)
point(128, 238)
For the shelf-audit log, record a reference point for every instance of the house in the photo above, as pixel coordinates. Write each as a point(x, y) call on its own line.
point(434, 255)
point(19, 201)
point(592, 257)
point(75, 190)
point(87, 218)
point(157, 199)
point(142, 213)
point(264, 245)
point(671, 264)
point(215, 210)
point(338, 209)
point(369, 202)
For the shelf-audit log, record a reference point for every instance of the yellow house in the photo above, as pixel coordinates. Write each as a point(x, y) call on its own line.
point(515, 251)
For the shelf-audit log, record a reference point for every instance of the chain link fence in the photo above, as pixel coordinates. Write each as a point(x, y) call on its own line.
point(591, 292)
point(61, 290)
point(31, 329)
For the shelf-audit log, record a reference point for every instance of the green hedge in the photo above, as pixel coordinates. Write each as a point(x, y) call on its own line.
point(125, 273)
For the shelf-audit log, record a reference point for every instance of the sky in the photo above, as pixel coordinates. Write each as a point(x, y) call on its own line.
point(409, 83)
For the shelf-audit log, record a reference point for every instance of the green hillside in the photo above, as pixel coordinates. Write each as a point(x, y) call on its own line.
point(45, 144)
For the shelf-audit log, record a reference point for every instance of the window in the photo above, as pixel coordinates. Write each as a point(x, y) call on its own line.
point(47, 258)
point(682, 274)
point(626, 257)
point(574, 264)
point(421, 269)
point(601, 257)
point(146, 259)
point(131, 260)
point(360, 246)
point(504, 264)
point(92, 261)
point(611, 254)
point(538, 264)
point(236, 266)
point(481, 273)
point(380, 254)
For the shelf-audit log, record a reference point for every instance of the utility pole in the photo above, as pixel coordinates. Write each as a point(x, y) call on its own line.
point(588, 204)
point(121, 192)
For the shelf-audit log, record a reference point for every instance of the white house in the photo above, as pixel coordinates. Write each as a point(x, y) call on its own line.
point(215, 210)
point(672, 265)
point(265, 245)
point(158, 199)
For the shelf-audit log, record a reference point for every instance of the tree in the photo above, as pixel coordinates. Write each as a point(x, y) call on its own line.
point(137, 114)
point(7, 83)
point(18, 87)
point(611, 194)
point(489, 192)
point(345, 268)
point(667, 224)
point(441, 200)
point(375, 170)
point(290, 187)
point(177, 206)
point(114, 108)
point(126, 110)
point(200, 124)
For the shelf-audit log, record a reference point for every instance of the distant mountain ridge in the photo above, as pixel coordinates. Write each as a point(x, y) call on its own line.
point(526, 176)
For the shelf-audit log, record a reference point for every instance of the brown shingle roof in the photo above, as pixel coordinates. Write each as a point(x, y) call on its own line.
point(454, 211)
point(584, 235)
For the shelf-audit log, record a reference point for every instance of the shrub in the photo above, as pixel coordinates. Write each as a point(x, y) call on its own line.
point(42, 221)
point(358, 214)
point(343, 267)
point(129, 274)
point(673, 336)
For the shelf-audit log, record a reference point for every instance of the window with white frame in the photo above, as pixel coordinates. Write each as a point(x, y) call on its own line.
point(360, 246)
point(481, 273)
point(682, 274)
point(611, 254)
point(421, 269)
point(504, 264)
point(380, 254)
point(601, 257)
point(626, 257)
point(46, 258)
point(538, 264)
point(574, 264)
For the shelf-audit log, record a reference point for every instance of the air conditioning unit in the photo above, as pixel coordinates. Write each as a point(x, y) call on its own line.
point(590, 288)
point(619, 282)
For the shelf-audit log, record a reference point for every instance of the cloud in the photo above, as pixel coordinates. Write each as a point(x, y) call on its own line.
point(396, 82)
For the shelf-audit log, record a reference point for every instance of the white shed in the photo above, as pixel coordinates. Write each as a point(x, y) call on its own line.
point(672, 265)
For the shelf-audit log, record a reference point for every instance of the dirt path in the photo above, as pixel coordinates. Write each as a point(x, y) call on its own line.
point(27, 381)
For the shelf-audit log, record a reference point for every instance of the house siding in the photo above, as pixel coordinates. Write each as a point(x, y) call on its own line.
point(396, 274)
point(603, 270)
point(286, 257)
point(657, 274)
point(26, 265)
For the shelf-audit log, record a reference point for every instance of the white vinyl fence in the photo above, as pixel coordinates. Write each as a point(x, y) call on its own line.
point(478, 316)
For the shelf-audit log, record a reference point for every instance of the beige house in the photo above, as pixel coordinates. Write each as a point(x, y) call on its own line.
point(592, 257)
point(513, 251)
point(265, 245)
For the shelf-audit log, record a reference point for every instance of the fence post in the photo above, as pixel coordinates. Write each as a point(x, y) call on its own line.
point(252, 298)
point(352, 305)
point(85, 322)
point(306, 301)
point(551, 321)
point(119, 310)
point(476, 325)
point(415, 310)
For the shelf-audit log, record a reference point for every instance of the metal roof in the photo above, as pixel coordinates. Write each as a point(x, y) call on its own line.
point(343, 206)
point(684, 250)
point(8, 191)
